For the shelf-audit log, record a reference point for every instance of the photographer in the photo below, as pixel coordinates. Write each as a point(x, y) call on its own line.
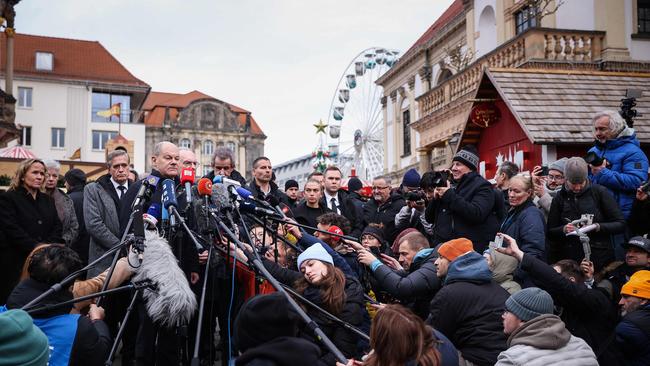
point(412, 215)
point(547, 184)
point(616, 161)
point(468, 209)
point(640, 215)
point(576, 198)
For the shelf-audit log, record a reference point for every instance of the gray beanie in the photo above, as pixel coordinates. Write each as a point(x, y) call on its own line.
point(558, 165)
point(530, 303)
point(575, 170)
point(468, 156)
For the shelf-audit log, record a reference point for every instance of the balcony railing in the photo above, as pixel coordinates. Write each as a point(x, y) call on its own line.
point(564, 48)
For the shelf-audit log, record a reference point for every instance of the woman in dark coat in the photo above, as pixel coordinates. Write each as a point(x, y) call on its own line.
point(326, 286)
point(524, 222)
point(28, 217)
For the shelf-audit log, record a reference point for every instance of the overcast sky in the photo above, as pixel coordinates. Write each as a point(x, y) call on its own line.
point(279, 59)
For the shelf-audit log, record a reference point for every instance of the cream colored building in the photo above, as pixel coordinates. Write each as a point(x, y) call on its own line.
point(433, 93)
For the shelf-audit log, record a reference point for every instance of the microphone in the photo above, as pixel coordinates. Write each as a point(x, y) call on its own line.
point(202, 206)
point(187, 179)
point(251, 207)
point(146, 190)
point(247, 195)
point(222, 179)
point(204, 187)
point(151, 217)
point(169, 200)
point(174, 303)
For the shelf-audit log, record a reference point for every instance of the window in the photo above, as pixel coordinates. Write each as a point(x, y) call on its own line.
point(186, 143)
point(525, 18)
point(44, 61)
point(24, 97)
point(100, 138)
point(206, 169)
point(58, 137)
point(26, 138)
point(208, 147)
point(230, 145)
point(109, 107)
point(406, 121)
point(643, 16)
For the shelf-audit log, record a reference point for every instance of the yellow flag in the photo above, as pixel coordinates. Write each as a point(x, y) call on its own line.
point(116, 110)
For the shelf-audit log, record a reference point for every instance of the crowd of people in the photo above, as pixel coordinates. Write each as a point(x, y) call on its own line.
point(546, 267)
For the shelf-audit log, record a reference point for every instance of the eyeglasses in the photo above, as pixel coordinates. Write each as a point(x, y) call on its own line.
point(555, 177)
point(379, 188)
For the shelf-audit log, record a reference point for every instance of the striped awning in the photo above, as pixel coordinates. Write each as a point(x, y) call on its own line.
point(16, 152)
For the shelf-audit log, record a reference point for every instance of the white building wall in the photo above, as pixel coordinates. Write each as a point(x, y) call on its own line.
point(389, 153)
point(639, 48)
point(576, 14)
point(486, 26)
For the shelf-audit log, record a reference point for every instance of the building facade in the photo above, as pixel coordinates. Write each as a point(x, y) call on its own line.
point(429, 93)
point(61, 85)
point(201, 123)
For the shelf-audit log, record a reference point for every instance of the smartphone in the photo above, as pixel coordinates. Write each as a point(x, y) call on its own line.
point(498, 241)
point(544, 171)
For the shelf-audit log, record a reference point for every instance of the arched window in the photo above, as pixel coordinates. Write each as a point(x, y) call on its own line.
point(186, 143)
point(208, 147)
point(443, 76)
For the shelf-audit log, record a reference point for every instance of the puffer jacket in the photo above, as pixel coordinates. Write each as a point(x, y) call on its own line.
point(628, 167)
point(414, 288)
point(384, 214)
point(544, 341)
point(468, 310)
point(469, 210)
point(503, 267)
point(593, 199)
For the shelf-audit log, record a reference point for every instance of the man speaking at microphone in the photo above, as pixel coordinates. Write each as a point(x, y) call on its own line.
point(165, 165)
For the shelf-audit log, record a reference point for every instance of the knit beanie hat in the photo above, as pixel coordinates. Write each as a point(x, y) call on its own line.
point(575, 170)
point(354, 184)
point(530, 303)
point(75, 177)
point(316, 251)
point(263, 318)
point(290, 184)
point(638, 285)
point(375, 232)
point(468, 156)
point(558, 165)
point(21, 342)
point(455, 248)
point(411, 179)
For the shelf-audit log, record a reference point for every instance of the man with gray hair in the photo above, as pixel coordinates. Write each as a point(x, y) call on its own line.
point(383, 207)
point(506, 170)
point(223, 163)
point(624, 165)
point(63, 203)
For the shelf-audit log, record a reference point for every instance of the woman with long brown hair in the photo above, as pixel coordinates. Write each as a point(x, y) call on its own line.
point(328, 287)
point(398, 337)
point(27, 217)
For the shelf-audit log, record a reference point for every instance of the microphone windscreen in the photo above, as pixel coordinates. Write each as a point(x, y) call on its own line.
point(244, 193)
point(187, 175)
point(154, 210)
point(204, 187)
point(169, 195)
point(220, 196)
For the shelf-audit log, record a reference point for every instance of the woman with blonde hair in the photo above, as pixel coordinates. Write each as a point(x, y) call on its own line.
point(27, 217)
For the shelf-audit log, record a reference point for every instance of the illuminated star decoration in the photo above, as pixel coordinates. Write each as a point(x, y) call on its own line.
point(320, 126)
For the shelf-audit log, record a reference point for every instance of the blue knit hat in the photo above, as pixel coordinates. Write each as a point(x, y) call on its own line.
point(530, 303)
point(21, 342)
point(411, 179)
point(316, 251)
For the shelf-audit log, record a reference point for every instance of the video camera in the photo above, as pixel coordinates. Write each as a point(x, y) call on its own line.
point(440, 179)
point(627, 106)
point(415, 196)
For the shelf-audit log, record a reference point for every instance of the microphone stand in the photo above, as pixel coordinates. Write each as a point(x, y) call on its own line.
point(277, 219)
point(318, 332)
point(284, 240)
point(120, 332)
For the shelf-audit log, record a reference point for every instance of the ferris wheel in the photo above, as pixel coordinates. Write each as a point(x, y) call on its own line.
point(355, 118)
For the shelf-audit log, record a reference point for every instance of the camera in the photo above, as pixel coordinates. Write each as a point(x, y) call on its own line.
point(593, 159)
point(440, 179)
point(645, 187)
point(415, 196)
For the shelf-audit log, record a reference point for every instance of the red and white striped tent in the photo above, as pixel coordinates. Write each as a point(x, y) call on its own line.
point(16, 152)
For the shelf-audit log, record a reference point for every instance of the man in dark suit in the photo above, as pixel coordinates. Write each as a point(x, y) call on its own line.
point(336, 199)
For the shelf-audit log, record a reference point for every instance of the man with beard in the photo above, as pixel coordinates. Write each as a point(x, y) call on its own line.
point(637, 254)
point(383, 207)
point(632, 333)
point(546, 188)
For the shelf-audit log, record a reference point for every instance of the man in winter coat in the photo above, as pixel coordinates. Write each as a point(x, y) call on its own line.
point(383, 207)
point(624, 164)
point(578, 197)
point(336, 199)
point(73, 339)
point(223, 163)
point(547, 187)
point(633, 332)
point(468, 307)
point(468, 209)
point(75, 181)
point(587, 313)
point(415, 283)
point(412, 215)
point(262, 185)
point(637, 258)
point(640, 215)
point(536, 337)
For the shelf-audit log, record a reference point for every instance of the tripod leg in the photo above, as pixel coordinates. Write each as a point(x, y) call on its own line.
point(109, 361)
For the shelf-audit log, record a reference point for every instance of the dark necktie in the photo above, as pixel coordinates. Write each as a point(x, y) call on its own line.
point(121, 189)
point(333, 205)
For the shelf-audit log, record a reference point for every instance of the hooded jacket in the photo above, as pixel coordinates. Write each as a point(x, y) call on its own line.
point(468, 210)
point(628, 167)
point(503, 267)
point(468, 310)
point(91, 342)
point(384, 213)
point(543, 341)
point(414, 288)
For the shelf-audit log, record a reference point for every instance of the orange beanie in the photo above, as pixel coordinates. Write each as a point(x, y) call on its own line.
point(638, 285)
point(455, 248)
